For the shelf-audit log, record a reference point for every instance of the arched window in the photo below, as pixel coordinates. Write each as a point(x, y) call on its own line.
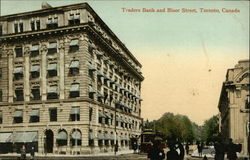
point(62, 138)
point(76, 138)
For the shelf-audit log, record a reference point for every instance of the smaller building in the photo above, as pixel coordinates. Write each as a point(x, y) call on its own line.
point(234, 106)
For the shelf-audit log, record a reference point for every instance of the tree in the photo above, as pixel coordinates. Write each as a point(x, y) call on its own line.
point(210, 129)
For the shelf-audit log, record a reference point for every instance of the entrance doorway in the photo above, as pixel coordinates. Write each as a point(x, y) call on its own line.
point(48, 141)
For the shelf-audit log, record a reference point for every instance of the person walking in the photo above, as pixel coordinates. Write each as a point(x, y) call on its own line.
point(181, 149)
point(187, 148)
point(32, 153)
point(172, 154)
point(23, 153)
point(156, 153)
point(231, 150)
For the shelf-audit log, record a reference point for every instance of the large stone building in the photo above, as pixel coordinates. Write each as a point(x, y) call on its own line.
point(68, 85)
point(234, 106)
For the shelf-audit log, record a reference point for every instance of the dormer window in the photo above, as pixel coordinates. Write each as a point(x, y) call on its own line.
point(35, 25)
point(74, 19)
point(18, 27)
point(52, 23)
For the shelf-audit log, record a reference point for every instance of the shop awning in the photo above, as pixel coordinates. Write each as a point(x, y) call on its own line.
point(101, 115)
point(74, 42)
point(76, 135)
point(91, 67)
point(34, 112)
point(91, 90)
point(18, 114)
point(100, 136)
point(4, 137)
point(35, 68)
point(75, 110)
point(75, 87)
point(91, 135)
point(52, 89)
point(18, 70)
point(74, 64)
point(24, 137)
point(52, 66)
point(62, 136)
point(34, 48)
point(52, 45)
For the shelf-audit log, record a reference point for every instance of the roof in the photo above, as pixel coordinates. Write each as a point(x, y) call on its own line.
point(70, 7)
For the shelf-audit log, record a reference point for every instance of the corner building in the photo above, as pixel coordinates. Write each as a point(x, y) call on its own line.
point(68, 85)
point(234, 105)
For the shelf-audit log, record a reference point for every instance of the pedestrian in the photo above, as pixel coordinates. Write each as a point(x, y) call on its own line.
point(187, 148)
point(205, 158)
point(231, 150)
point(219, 150)
point(32, 153)
point(23, 153)
point(156, 153)
point(200, 148)
point(181, 149)
point(172, 154)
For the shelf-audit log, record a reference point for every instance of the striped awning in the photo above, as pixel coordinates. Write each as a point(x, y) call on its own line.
point(74, 42)
point(75, 87)
point(34, 47)
point(74, 64)
point(52, 45)
point(24, 137)
point(75, 110)
point(18, 114)
point(18, 70)
point(76, 135)
point(52, 66)
point(34, 112)
point(62, 136)
point(52, 89)
point(35, 68)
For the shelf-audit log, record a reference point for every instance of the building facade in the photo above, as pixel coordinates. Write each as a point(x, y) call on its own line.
point(68, 85)
point(234, 106)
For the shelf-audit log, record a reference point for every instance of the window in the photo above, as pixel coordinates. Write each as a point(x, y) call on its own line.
point(18, 116)
point(18, 73)
point(74, 90)
point(90, 113)
point(1, 117)
point(1, 95)
point(52, 92)
point(19, 51)
point(35, 71)
point(76, 138)
point(35, 25)
point(62, 138)
point(1, 30)
point(16, 27)
point(74, 45)
point(52, 48)
point(19, 94)
point(74, 19)
point(74, 67)
point(91, 138)
point(34, 50)
point(75, 114)
point(247, 106)
point(52, 69)
point(21, 27)
point(52, 23)
point(53, 114)
point(91, 92)
point(101, 117)
point(35, 94)
point(1, 73)
point(34, 115)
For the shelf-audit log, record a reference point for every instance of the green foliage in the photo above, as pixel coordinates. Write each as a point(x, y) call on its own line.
point(210, 129)
point(174, 127)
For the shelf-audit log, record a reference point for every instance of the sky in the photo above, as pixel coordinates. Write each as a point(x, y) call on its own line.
point(184, 56)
